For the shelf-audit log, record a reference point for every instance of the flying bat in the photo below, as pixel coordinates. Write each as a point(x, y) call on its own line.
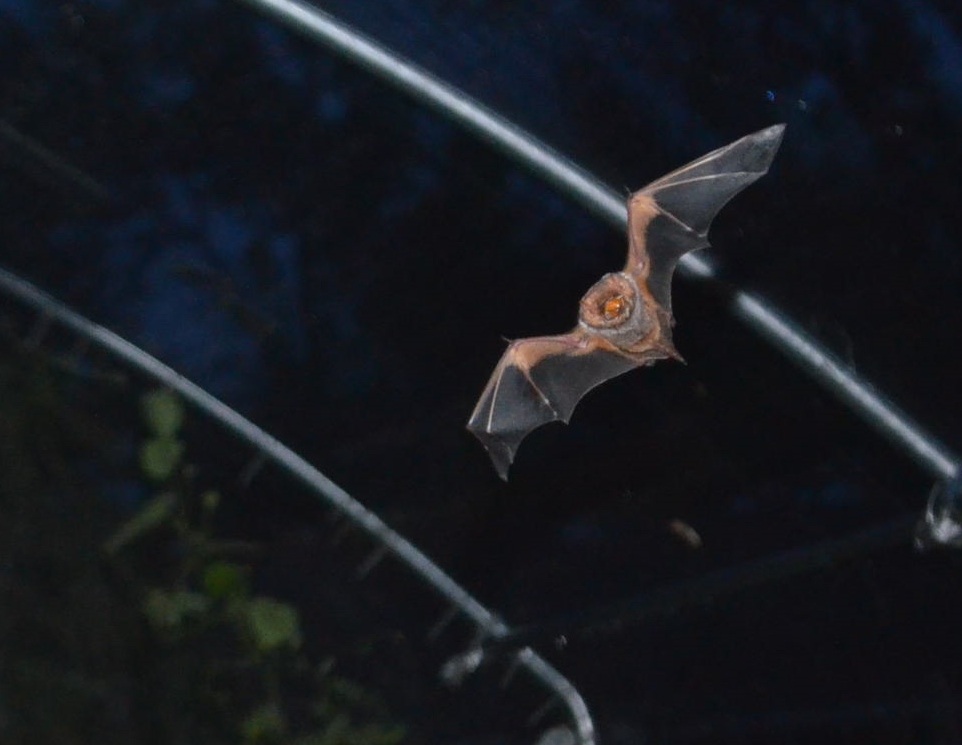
point(624, 320)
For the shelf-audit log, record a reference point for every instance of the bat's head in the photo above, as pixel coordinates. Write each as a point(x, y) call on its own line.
point(615, 309)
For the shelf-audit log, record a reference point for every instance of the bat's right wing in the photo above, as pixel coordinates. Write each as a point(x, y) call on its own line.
point(537, 381)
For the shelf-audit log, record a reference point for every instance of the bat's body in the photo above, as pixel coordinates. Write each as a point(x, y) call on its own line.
point(625, 319)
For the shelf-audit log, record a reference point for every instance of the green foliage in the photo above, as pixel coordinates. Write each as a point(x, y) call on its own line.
point(160, 456)
point(266, 724)
point(163, 412)
point(272, 626)
point(242, 650)
point(225, 580)
point(162, 453)
point(170, 611)
point(209, 501)
point(168, 640)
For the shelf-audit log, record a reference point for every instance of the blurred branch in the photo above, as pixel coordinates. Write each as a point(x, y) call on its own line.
point(45, 166)
point(706, 589)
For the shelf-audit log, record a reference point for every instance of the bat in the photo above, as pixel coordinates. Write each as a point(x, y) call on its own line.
point(625, 319)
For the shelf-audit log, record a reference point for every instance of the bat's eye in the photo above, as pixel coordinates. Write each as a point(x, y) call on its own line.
point(611, 303)
point(614, 307)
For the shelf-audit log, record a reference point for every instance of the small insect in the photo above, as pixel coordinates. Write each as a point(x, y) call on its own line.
point(625, 319)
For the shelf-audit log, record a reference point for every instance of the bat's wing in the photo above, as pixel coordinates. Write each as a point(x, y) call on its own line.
point(542, 379)
point(671, 216)
point(537, 381)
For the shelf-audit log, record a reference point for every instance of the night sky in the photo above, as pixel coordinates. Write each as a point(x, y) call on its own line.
point(342, 265)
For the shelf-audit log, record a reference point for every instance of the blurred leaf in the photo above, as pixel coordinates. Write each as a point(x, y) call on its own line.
point(224, 579)
point(169, 609)
point(163, 411)
point(154, 513)
point(265, 724)
point(273, 625)
point(344, 692)
point(160, 456)
point(210, 500)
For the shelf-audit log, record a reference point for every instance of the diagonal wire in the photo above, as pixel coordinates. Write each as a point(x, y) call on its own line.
point(487, 622)
point(708, 588)
point(758, 314)
point(46, 166)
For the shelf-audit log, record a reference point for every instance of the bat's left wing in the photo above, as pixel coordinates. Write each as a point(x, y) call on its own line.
point(537, 381)
point(671, 216)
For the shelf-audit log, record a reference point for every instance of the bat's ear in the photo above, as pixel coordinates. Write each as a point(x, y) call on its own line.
point(695, 193)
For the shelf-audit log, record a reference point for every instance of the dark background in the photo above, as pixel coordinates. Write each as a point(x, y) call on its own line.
point(341, 264)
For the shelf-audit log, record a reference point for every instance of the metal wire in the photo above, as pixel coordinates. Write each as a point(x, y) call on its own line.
point(708, 588)
point(488, 624)
point(525, 149)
